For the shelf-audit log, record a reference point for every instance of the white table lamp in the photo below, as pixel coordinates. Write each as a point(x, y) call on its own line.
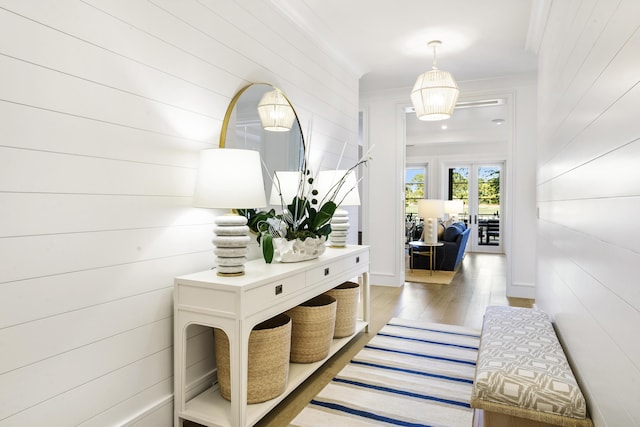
point(229, 179)
point(285, 183)
point(430, 210)
point(347, 195)
point(453, 208)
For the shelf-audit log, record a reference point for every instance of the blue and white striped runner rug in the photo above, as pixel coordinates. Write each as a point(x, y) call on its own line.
point(410, 374)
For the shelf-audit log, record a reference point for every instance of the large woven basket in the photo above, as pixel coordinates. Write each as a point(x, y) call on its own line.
point(268, 367)
point(346, 296)
point(312, 328)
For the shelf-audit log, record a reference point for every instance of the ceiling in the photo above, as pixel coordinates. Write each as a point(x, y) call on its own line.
point(385, 43)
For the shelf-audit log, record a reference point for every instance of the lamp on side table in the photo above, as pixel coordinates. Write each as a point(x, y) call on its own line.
point(430, 210)
point(230, 179)
point(347, 195)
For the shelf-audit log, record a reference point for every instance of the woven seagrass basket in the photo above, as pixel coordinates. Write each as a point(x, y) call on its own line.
point(346, 296)
point(312, 328)
point(268, 367)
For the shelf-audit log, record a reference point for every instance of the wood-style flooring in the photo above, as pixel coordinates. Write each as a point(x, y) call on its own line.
point(479, 282)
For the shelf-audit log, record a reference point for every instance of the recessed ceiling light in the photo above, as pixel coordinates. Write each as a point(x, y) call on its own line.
point(443, 127)
point(498, 121)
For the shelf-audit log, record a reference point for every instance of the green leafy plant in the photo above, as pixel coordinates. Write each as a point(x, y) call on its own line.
point(304, 216)
point(267, 224)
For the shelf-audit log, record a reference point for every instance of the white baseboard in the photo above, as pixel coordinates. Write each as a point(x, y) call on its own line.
point(201, 384)
point(192, 389)
point(167, 400)
point(382, 279)
point(521, 290)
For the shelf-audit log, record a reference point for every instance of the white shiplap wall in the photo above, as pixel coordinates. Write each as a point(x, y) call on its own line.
point(104, 106)
point(589, 197)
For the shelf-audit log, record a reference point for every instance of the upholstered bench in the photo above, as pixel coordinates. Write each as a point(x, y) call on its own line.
point(522, 375)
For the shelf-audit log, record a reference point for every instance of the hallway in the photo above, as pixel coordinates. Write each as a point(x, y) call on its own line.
point(479, 282)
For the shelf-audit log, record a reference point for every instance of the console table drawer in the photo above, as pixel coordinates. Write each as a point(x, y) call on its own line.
point(329, 270)
point(270, 294)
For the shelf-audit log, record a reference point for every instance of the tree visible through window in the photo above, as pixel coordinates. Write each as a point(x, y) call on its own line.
point(459, 184)
point(414, 185)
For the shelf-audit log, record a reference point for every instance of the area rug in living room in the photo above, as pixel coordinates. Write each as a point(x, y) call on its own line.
point(439, 277)
point(410, 374)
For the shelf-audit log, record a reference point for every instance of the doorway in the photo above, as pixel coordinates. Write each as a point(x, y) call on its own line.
point(480, 187)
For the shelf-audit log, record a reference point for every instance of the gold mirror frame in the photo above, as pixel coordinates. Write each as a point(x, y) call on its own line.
point(241, 128)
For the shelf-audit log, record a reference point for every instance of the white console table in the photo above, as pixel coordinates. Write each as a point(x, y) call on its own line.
point(236, 305)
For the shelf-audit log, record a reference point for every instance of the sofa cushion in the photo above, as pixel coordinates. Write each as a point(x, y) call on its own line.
point(453, 231)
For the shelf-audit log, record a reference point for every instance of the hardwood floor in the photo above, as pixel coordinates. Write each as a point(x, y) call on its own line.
point(479, 282)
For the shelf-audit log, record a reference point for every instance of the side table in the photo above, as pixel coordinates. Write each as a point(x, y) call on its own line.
point(418, 244)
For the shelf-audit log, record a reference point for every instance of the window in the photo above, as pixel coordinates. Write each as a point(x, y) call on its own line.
point(414, 188)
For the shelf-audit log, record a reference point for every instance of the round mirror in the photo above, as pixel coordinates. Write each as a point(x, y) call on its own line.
point(261, 118)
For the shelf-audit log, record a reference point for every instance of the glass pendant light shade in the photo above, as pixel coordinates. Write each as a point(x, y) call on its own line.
point(435, 93)
point(275, 112)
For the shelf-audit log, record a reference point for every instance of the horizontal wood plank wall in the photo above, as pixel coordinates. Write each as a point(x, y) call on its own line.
point(104, 106)
point(589, 197)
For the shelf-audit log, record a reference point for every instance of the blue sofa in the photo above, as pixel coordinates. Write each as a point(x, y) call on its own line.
point(449, 256)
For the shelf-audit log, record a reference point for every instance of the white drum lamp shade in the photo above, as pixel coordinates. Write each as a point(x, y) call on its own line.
point(227, 179)
point(430, 210)
point(275, 111)
point(285, 183)
point(453, 207)
point(347, 195)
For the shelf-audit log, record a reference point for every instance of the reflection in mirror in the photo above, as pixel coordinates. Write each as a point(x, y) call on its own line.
point(242, 128)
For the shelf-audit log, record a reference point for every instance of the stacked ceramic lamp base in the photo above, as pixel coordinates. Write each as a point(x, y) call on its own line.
point(339, 229)
point(231, 240)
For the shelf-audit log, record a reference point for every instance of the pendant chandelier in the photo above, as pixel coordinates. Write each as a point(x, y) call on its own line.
point(435, 92)
point(276, 114)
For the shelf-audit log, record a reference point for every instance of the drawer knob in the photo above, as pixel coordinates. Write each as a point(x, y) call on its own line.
point(326, 271)
point(357, 260)
point(278, 289)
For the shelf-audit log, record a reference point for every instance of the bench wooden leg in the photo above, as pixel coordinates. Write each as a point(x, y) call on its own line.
point(494, 419)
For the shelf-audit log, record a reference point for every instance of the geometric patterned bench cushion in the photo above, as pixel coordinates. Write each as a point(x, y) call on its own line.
point(521, 363)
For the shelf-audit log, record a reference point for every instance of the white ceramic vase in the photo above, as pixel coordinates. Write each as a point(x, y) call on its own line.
point(298, 250)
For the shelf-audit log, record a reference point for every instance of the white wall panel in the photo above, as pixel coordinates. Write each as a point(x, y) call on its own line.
point(72, 213)
point(62, 253)
point(87, 61)
point(39, 86)
point(104, 106)
point(597, 139)
point(595, 178)
point(157, 414)
point(110, 392)
point(68, 331)
point(588, 195)
point(107, 26)
point(72, 369)
point(65, 133)
point(44, 172)
point(29, 300)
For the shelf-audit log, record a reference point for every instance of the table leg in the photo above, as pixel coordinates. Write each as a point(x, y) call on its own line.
point(430, 260)
point(410, 258)
point(366, 300)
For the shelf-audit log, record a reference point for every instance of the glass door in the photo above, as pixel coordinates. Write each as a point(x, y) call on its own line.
point(479, 186)
point(414, 190)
